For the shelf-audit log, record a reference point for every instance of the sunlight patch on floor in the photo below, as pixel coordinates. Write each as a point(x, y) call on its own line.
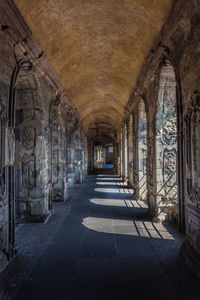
point(110, 190)
point(138, 204)
point(105, 183)
point(108, 202)
point(108, 178)
point(144, 229)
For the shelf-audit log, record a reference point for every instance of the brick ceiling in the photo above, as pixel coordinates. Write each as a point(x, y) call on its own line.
point(97, 47)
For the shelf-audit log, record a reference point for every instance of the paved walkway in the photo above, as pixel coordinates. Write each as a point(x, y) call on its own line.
point(100, 245)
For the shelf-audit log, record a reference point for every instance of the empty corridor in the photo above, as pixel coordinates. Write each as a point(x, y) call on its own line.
point(99, 245)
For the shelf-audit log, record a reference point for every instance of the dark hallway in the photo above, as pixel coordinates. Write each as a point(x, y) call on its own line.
point(101, 245)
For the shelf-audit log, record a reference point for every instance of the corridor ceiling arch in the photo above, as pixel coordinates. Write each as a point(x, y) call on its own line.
point(104, 41)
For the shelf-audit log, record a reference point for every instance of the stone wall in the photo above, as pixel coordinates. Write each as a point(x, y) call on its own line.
point(178, 50)
point(42, 139)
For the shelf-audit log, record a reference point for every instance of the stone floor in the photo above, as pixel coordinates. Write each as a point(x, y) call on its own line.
point(99, 245)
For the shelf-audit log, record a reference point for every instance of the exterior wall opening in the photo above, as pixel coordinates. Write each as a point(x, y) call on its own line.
point(103, 157)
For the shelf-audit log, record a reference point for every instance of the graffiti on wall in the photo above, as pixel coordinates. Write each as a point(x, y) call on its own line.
point(166, 141)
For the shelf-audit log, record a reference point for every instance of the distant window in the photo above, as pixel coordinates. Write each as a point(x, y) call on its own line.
point(110, 149)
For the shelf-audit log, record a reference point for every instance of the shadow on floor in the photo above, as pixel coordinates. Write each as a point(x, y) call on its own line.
point(105, 247)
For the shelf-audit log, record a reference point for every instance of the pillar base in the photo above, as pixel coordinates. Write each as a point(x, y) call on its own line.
point(4, 261)
point(58, 195)
point(37, 218)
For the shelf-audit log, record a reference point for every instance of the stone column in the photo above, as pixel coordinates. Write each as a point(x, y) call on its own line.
point(130, 150)
point(151, 166)
point(135, 154)
point(116, 156)
point(122, 154)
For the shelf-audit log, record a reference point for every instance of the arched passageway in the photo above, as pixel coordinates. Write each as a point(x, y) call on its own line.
point(111, 95)
point(102, 154)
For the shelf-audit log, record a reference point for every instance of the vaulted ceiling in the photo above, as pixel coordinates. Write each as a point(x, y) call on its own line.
point(97, 47)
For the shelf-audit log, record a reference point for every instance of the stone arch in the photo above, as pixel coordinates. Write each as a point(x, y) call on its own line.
point(7, 168)
point(142, 150)
point(166, 145)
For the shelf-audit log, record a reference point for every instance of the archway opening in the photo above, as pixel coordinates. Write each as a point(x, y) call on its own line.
point(102, 148)
point(103, 155)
